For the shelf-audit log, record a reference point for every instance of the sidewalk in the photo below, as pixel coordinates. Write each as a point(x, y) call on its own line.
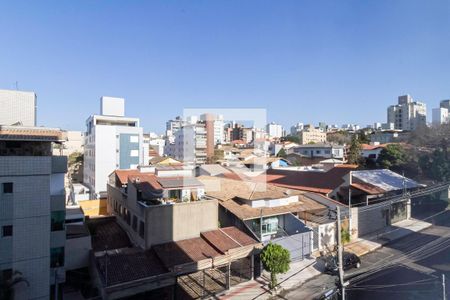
point(376, 240)
point(302, 271)
point(299, 272)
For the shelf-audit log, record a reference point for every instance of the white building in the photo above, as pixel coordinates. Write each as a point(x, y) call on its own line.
point(190, 144)
point(440, 116)
point(32, 210)
point(112, 142)
point(17, 107)
point(407, 114)
point(274, 130)
point(296, 128)
point(218, 127)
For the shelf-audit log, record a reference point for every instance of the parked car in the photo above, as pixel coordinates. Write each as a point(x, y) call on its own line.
point(349, 259)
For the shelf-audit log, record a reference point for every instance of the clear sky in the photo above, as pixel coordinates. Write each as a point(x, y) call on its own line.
point(304, 61)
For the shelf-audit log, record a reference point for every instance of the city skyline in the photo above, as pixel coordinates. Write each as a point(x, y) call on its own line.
point(323, 58)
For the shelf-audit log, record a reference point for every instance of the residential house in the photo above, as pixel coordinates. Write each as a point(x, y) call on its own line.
point(372, 151)
point(270, 213)
point(175, 229)
point(322, 150)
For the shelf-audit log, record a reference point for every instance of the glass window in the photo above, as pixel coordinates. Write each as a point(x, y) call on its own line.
point(7, 230)
point(57, 257)
point(270, 225)
point(7, 188)
point(174, 194)
point(58, 220)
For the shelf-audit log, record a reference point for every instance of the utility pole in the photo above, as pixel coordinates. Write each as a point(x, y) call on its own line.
point(340, 250)
point(350, 202)
point(443, 287)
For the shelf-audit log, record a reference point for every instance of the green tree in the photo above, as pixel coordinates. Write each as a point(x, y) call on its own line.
point(75, 158)
point(291, 138)
point(282, 153)
point(276, 260)
point(354, 153)
point(392, 157)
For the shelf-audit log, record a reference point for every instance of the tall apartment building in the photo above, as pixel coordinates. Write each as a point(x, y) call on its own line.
point(309, 135)
point(17, 107)
point(172, 126)
point(295, 130)
point(190, 144)
point(215, 127)
point(441, 114)
point(112, 141)
point(274, 130)
point(407, 114)
point(32, 211)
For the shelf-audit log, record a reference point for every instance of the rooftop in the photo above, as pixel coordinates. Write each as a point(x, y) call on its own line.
point(35, 134)
point(381, 181)
point(319, 182)
point(320, 145)
point(128, 264)
point(230, 194)
point(107, 234)
point(210, 244)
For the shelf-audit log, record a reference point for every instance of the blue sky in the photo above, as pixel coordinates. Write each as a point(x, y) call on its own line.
point(304, 61)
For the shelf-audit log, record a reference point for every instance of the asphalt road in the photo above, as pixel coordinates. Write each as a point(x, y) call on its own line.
point(409, 268)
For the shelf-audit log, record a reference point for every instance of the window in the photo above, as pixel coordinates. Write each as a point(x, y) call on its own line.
point(134, 153)
point(58, 220)
point(134, 139)
point(174, 194)
point(7, 230)
point(57, 257)
point(270, 225)
point(7, 188)
point(134, 223)
point(141, 229)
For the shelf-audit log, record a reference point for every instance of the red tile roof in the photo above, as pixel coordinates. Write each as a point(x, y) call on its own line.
point(368, 188)
point(149, 178)
point(129, 264)
point(319, 182)
point(185, 251)
point(210, 244)
point(372, 147)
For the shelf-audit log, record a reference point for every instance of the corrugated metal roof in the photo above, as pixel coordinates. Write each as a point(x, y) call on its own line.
point(175, 182)
point(385, 179)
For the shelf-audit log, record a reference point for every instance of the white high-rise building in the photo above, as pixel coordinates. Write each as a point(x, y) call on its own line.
point(274, 130)
point(32, 211)
point(112, 141)
point(441, 115)
point(190, 144)
point(17, 107)
point(218, 127)
point(296, 128)
point(407, 114)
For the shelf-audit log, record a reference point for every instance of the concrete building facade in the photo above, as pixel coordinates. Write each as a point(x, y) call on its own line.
point(312, 135)
point(407, 114)
point(274, 130)
point(111, 142)
point(17, 107)
point(32, 211)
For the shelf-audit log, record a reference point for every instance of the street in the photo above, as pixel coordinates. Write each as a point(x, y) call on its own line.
point(408, 268)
